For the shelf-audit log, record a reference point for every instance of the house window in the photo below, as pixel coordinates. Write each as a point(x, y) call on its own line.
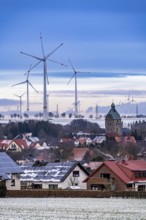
point(105, 175)
point(36, 186)
point(13, 146)
point(141, 188)
point(53, 186)
point(139, 174)
point(97, 187)
point(13, 182)
point(129, 185)
point(76, 173)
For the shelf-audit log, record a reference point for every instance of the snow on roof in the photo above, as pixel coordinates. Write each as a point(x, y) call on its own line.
point(52, 172)
point(99, 139)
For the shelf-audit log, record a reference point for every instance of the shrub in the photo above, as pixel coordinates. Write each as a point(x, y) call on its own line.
point(3, 189)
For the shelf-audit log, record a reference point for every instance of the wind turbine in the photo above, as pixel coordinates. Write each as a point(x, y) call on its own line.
point(45, 77)
point(76, 92)
point(20, 97)
point(136, 105)
point(127, 104)
point(27, 89)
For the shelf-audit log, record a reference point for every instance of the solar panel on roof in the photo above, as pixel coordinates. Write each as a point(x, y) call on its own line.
point(7, 165)
point(49, 172)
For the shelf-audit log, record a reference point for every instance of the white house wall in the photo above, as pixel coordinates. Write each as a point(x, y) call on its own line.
point(17, 182)
point(81, 178)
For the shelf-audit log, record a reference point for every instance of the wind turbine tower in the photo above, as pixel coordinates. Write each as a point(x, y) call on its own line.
point(45, 76)
point(96, 111)
point(27, 89)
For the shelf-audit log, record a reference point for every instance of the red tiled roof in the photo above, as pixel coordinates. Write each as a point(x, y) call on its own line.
point(4, 143)
point(134, 165)
point(66, 140)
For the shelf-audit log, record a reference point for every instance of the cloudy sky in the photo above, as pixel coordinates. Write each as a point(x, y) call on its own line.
point(104, 37)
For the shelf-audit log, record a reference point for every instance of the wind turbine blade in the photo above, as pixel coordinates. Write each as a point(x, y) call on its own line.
point(32, 56)
point(16, 95)
point(72, 66)
point(19, 83)
point(42, 45)
point(57, 62)
point(28, 71)
point(71, 78)
point(22, 94)
point(32, 87)
point(53, 51)
point(34, 66)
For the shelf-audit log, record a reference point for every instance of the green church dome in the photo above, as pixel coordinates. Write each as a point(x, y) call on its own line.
point(113, 113)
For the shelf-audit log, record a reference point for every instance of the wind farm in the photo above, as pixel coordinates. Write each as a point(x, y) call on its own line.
point(45, 74)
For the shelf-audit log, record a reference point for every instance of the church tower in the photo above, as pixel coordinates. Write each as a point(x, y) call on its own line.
point(113, 123)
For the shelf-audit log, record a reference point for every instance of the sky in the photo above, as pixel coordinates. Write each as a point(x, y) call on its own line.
point(104, 39)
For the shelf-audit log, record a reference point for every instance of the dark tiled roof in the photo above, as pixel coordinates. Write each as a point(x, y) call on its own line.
point(52, 172)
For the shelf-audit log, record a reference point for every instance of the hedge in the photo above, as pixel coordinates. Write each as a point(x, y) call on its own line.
point(37, 193)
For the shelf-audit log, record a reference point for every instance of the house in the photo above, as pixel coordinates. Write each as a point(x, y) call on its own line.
point(9, 172)
point(113, 123)
point(119, 175)
point(53, 175)
point(125, 139)
point(16, 145)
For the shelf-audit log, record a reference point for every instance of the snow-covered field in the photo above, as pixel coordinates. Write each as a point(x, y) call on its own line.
point(72, 208)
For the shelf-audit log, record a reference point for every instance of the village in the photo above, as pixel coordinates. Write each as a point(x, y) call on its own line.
point(107, 160)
